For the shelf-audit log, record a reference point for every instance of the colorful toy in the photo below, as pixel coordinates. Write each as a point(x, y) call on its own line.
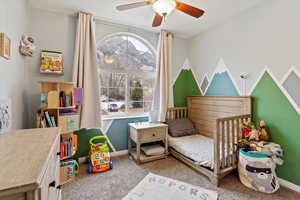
point(68, 169)
point(99, 155)
point(255, 134)
point(263, 134)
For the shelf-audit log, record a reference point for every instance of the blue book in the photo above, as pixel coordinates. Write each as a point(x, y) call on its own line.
point(43, 100)
point(48, 119)
point(71, 147)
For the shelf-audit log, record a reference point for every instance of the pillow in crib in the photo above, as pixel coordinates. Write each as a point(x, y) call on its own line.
point(181, 127)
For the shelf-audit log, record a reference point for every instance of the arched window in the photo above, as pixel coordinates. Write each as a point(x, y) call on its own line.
point(127, 74)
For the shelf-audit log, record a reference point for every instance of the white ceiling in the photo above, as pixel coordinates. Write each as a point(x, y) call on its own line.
point(216, 12)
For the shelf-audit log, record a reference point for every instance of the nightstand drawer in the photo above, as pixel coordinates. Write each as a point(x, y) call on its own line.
point(152, 134)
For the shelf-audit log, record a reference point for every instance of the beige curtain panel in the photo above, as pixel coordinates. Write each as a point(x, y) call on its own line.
point(85, 72)
point(163, 90)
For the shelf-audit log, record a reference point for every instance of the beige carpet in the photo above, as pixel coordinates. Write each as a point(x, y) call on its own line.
point(115, 184)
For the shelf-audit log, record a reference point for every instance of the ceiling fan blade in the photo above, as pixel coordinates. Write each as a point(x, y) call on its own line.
point(157, 20)
point(133, 5)
point(190, 10)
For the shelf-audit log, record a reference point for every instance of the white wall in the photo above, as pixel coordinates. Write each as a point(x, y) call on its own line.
point(13, 22)
point(265, 35)
point(180, 54)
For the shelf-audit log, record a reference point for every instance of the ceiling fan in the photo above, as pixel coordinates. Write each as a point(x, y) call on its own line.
point(163, 8)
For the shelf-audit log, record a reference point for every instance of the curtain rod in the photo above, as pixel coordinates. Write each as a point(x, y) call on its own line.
point(128, 27)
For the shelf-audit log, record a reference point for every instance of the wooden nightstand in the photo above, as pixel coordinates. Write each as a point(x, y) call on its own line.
point(145, 132)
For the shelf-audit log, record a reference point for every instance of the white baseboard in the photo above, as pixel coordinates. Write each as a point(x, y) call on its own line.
point(119, 153)
point(289, 185)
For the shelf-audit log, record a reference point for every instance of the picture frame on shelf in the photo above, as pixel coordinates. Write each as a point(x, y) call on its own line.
point(51, 62)
point(5, 46)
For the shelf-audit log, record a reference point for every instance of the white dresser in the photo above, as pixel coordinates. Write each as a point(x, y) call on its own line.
point(29, 161)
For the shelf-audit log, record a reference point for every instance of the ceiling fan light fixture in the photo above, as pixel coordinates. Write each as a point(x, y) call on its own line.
point(164, 7)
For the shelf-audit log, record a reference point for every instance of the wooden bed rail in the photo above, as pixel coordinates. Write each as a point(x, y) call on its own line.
point(177, 113)
point(225, 143)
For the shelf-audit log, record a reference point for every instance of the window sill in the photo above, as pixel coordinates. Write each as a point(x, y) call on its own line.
point(137, 115)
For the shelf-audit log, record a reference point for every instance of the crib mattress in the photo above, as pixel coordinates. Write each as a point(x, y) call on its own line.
point(198, 148)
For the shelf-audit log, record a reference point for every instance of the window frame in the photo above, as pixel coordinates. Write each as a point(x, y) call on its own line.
point(127, 84)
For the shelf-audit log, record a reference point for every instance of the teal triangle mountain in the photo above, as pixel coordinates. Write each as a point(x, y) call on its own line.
point(221, 85)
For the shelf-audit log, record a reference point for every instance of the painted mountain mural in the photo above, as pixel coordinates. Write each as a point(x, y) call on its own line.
point(184, 86)
point(283, 123)
point(221, 85)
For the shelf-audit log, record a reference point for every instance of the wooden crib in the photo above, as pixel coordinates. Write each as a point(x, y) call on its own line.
point(218, 118)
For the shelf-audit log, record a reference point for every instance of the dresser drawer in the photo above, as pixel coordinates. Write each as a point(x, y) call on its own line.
point(152, 134)
point(19, 196)
point(51, 177)
point(54, 194)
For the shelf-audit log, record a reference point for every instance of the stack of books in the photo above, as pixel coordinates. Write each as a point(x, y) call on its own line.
point(68, 147)
point(45, 120)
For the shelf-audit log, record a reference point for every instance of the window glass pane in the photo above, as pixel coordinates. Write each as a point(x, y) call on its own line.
point(148, 93)
point(140, 56)
point(127, 74)
point(136, 94)
point(112, 53)
point(147, 106)
point(116, 94)
point(104, 101)
point(116, 100)
point(135, 80)
point(149, 80)
point(104, 79)
point(109, 79)
point(135, 107)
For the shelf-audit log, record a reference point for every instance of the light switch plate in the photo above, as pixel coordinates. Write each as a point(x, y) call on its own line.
point(5, 115)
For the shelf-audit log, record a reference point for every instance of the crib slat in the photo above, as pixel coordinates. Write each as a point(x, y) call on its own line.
point(232, 160)
point(223, 144)
point(217, 155)
point(235, 141)
point(227, 144)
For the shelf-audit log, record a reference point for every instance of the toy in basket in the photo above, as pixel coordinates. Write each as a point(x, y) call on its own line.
point(99, 155)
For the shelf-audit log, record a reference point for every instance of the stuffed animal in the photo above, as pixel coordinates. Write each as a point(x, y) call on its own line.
point(254, 135)
point(27, 46)
point(263, 134)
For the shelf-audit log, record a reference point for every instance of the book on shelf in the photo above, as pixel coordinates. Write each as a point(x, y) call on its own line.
point(68, 147)
point(53, 121)
point(43, 100)
point(78, 94)
point(45, 120)
point(48, 119)
point(72, 111)
point(65, 100)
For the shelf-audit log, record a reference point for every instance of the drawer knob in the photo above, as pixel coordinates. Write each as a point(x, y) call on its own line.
point(153, 134)
point(58, 153)
point(58, 187)
point(52, 184)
